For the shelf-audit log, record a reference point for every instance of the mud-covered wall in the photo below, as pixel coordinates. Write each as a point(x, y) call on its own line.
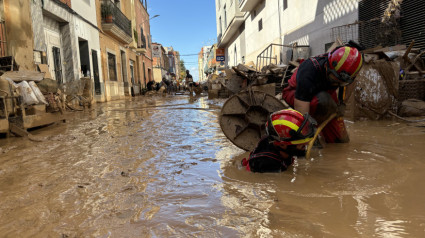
point(19, 34)
point(38, 31)
point(69, 44)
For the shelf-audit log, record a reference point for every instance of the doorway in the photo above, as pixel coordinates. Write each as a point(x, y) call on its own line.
point(57, 64)
point(144, 73)
point(124, 72)
point(133, 86)
point(54, 58)
point(84, 58)
point(97, 89)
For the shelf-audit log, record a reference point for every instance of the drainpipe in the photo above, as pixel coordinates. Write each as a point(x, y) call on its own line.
point(280, 28)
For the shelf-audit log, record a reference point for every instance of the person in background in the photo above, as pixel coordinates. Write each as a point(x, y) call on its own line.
point(150, 85)
point(287, 133)
point(313, 88)
point(189, 81)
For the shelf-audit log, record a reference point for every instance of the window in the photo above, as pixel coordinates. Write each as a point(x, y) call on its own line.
point(221, 27)
point(260, 24)
point(218, 4)
point(236, 57)
point(285, 4)
point(149, 41)
point(225, 17)
point(142, 39)
point(37, 57)
point(112, 67)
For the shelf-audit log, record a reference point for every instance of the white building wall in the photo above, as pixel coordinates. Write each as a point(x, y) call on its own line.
point(309, 22)
point(88, 32)
point(86, 8)
point(257, 41)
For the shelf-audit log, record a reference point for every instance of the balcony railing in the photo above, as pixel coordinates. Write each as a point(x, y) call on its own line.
point(248, 5)
point(120, 25)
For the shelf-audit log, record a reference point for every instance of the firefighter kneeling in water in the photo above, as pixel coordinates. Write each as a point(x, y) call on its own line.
point(287, 133)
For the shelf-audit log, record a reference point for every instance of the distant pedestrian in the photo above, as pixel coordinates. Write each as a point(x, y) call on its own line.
point(189, 81)
point(150, 85)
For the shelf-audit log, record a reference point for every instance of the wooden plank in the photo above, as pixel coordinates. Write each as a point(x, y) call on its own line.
point(32, 121)
point(406, 59)
point(4, 126)
point(23, 75)
point(337, 43)
point(413, 63)
point(391, 48)
point(44, 68)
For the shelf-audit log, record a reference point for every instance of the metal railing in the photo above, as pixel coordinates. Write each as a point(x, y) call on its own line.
point(118, 18)
point(369, 33)
point(275, 54)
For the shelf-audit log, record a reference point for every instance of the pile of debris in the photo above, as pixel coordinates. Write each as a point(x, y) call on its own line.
point(31, 99)
point(391, 82)
point(271, 79)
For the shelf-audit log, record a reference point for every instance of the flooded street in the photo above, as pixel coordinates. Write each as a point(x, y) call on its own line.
point(161, 167)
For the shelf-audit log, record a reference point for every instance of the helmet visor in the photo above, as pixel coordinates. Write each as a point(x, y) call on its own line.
point(342, 79)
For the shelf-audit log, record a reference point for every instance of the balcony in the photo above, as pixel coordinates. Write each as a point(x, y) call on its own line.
point(141, 48)
point(236, 20)
point(248, 5)
point(119, 26)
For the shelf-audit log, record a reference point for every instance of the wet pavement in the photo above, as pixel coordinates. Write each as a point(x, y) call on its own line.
point(161, 167)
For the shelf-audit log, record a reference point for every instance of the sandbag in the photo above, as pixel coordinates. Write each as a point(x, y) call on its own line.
point(37, 92)
point(48, 86)
point(412, 108)
point(27, 94)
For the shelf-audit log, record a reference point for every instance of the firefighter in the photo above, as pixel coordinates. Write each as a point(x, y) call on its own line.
point(287, 133)
point(313, 88)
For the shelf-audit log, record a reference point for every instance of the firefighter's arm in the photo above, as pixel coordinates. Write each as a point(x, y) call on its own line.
point(301, 106)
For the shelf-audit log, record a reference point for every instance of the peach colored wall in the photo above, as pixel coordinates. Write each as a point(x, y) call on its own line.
point(142, 20)
point(111, 45)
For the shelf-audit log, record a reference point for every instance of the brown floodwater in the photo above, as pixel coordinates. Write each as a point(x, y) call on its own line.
point(161, 167)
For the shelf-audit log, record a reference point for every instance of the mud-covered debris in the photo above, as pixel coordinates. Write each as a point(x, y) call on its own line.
point(4, 151)
point(36, 138)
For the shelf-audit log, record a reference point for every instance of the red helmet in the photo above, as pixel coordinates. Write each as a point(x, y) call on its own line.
point(290, 127)
point(344, 63)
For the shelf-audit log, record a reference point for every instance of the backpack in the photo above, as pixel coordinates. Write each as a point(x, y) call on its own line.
point(266, 158)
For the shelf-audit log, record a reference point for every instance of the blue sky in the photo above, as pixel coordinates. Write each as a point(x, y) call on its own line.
point(186, 25)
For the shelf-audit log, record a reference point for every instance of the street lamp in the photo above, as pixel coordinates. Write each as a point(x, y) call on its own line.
point(148, 19)
point(140, 25)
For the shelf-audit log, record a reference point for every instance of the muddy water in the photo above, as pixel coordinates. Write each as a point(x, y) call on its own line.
point(129, 169)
